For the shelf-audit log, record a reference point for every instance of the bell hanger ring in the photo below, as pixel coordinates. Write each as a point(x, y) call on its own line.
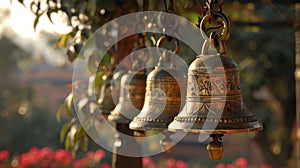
point(167, 56)
point(213, 38)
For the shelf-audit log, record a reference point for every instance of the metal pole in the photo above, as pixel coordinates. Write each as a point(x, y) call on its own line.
point(297, 80)
point(121, 144)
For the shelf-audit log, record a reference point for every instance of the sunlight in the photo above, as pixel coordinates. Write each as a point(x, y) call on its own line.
point(21, 21)
point(17, 24)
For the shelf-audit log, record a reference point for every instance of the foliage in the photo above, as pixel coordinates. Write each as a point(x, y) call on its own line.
point(45, 157)
point(84, 17)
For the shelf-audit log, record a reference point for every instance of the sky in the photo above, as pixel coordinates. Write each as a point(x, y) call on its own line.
point(18, 26)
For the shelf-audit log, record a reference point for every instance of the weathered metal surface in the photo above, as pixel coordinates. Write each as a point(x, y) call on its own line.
point(132, 95)
point(163, 99)
point(214, 96)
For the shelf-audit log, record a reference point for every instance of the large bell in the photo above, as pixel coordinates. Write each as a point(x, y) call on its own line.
point(163, 95)
point(214, 98)
point(214, 103)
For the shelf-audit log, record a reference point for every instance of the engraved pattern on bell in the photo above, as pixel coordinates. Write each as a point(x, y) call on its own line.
point(163, 99)
point(214, 96)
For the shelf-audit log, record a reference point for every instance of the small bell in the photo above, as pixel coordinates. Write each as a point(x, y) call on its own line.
point(132, 88)
point(214, 103)
point(163, 95)
point(132, 94)
point(105, 100)
point(109, 88)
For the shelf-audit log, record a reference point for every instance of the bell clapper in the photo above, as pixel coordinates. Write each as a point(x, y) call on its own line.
point(139, 135)
point(167, 143)
point(215, 148)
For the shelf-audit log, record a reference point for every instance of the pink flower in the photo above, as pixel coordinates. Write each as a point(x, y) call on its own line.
point(99, 154)
point(105, 165)
point(181, 164)
point(63, 157)
point(4, 154)
point(45, 152)
point(170, 163)
point(229, 166)
point(80, 163)
point(147, 161)
point(46, 156)
point(30, 158)
point(241, 162)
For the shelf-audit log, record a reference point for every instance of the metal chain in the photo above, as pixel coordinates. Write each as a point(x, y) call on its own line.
point(214, 26)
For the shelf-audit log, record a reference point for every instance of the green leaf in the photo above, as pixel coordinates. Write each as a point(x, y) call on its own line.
point(79, 133)
point(68, 143)
point(64, 130)
point(63, 39)
point(61, 109)
point(31, 6)
point(36, 20)
point(98, 79)
point(66, 127)
point(49, 12)
point(106, 60)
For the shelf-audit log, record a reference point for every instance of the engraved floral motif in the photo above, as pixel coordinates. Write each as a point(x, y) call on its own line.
point(205, 86)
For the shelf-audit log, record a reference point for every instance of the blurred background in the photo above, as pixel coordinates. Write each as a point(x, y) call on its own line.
point(36, 74)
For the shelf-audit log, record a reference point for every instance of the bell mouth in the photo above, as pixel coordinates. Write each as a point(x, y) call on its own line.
point(143, 124)
point(220, 128)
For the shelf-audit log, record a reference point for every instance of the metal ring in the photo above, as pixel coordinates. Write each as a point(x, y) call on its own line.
point(163, 39)
point(225, 21)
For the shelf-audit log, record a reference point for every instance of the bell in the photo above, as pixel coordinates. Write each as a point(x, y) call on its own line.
point(162, 101)
point(214, 103)
point(110, 87)
point(163, 97)
point(214, 98)
point(132, 87)
point(105, 100)
point(131, 100)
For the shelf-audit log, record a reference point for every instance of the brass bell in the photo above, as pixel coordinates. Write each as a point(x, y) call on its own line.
point(110, 87)
point(132, 94)
point(163, 95)
point(214, 98)
point(105, 100)
point(214, 103)
point(132, 88)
